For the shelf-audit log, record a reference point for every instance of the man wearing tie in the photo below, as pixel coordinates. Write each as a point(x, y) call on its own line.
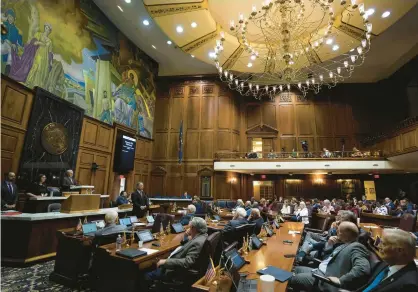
point(139, 201)
point(9, 192)
point(68, 180)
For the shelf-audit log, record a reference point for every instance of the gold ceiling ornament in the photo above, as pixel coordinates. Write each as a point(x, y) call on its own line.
point(285, 37)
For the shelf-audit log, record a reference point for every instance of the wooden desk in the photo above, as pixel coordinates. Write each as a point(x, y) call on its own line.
point(121, 274)
point(37, 238)
point(40, 204)
point(318, 220)
point(383, 220)
point(270, 254)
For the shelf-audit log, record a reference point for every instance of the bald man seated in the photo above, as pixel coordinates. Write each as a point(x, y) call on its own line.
point(111, 218)
point(348, 266)
point(397, 272)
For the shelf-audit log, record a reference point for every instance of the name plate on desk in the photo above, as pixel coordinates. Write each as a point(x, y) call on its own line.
point(80, 203)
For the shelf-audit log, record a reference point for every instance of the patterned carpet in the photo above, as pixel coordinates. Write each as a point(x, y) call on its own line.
point(32, 278)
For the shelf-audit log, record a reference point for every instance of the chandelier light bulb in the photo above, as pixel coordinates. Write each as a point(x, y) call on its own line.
point(361, 8)
point(368, 35)
point(346, 64)
point(288, 87)
point(321, 77)
point(232, 25)
point(242, 84)
point(313, 80)
point(300, 85)
point(353, 58)
point(249, 65)
point(241, 17)
point(257, 87)
point(329, 41)
point(354, 4)
point(222, 35)
point(250, 85)
point(307, 82)
point(254, 10)
point(253, 57)
point(369, 27)
point(236, 81)
point(359, 50)
point(231, 76)
point(364, 43)
point(220, 70)
point(267, 88)
point(365, 17)
point(339, 70)
point(331, 75)
point(281, 88)
point(226, 74)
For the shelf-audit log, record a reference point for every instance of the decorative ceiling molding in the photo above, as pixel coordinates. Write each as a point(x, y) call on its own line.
point(262, 128)
point(170, 9)
point(230, 62)
point(201, 41)
point(159, 170)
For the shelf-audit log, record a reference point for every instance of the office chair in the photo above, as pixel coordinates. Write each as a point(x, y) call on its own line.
point(54, 207)
point(162, 218)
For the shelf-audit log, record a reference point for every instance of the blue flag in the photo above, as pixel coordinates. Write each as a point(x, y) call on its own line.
point(181, 142)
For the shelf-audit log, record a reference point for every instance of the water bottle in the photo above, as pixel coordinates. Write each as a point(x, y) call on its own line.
point(250, 243)
point(118, 243)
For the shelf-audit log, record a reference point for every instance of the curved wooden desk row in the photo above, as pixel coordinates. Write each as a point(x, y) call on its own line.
point(383, 220)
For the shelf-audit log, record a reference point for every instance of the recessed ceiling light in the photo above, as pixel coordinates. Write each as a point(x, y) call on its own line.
point(335, 47)
point(120, 8)
point(253, 57)
point(249, 65)
point(169, 42)
point(145, 22)
point(370, 11)
point(329, 41)
point(179, 29)
point(194, 24)
point(153, 46)
point(192, 56)
point(212, 55)
point(128, 1)
point(385, 14)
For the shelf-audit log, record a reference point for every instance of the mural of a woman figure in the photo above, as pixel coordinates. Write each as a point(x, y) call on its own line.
point(38, 74)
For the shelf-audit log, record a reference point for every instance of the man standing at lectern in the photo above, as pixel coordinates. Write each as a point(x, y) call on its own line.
point(140, 201)
point(68, 180)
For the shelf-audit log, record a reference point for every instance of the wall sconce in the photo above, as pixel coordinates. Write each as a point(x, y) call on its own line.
point(318, 181)
point(94, 166)
point(232, 179)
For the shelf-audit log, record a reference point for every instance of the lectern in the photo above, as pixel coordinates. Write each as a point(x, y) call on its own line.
point(82, 189)
point(81, 203)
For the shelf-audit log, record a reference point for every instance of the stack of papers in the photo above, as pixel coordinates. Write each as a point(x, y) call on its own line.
point(370, 226)
point(140, 224)
point(294, 232)
point(149, 250)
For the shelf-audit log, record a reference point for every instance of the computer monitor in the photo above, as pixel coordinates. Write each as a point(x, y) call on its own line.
point(134, 219)
point(150, 219)
point(125, 221)
point(89, 228)
point(177, 228)
point(144, 236)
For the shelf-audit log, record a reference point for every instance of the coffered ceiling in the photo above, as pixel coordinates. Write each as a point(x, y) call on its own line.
point(396, 40)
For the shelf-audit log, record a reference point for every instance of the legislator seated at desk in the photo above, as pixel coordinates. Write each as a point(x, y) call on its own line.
point(68, 180)
point(123, 199)
point(38, 188)
point(9, 192)
point(111, 218)
point(397, 272)
point(256, 218)
point(191, 210)
point(348, 266)
point(237, 220)
point(184, 259)
point(185, 196)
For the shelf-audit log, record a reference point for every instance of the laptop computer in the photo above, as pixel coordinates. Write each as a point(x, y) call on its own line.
point(89, 229)
point(177, 228)
point(217, 217)
point(150, 219)
point(257, 244)
point(134, 219)
point(131, 253)
point(144, 236)
point(125, 221)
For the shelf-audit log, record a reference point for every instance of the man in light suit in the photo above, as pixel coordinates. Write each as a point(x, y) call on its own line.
point(140, 201)
point(398, 272)
point(68, 180)
point(348, 266)
point(237, 220)
point(9, 192)
point(111, 218)
point(185, 257)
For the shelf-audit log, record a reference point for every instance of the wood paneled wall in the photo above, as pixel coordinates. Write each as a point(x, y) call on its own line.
point(16, 105)
point(211, 123)
point(291, 118)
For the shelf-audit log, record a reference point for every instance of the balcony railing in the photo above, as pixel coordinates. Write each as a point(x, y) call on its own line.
point(331, 155)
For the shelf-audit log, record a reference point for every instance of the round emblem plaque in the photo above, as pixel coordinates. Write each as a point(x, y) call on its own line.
point(54, 138)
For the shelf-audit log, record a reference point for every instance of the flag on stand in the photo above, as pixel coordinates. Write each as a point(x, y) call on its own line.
point(79, 225)
point(181, 142)
point(210, 273)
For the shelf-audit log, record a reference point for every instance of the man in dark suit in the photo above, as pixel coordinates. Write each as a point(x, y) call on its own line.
point(185, 196)
point(398, 272)
point(9, 192)
point(348, 266)
point(237, 220)
point(140, 201)
point(191, 210)
point(68, 180)
point(185, 257)
point(256, 218)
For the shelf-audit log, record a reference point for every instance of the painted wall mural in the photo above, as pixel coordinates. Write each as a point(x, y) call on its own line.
point(71, 49)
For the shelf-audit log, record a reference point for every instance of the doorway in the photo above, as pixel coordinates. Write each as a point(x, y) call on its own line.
point(263, 189)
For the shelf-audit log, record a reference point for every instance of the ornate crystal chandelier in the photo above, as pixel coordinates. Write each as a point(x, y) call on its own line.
point(291, 44)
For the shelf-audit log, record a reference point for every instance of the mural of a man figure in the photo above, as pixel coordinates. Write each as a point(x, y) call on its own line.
point(11, 40)
point(106, 115)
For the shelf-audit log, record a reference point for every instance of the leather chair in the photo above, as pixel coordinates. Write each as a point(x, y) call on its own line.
point(54, 207)
point(325, 226)
point(166, 219)
point(407, 222)
point(215, 248)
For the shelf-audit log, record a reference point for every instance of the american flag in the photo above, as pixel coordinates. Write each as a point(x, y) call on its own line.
point(210, 273)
